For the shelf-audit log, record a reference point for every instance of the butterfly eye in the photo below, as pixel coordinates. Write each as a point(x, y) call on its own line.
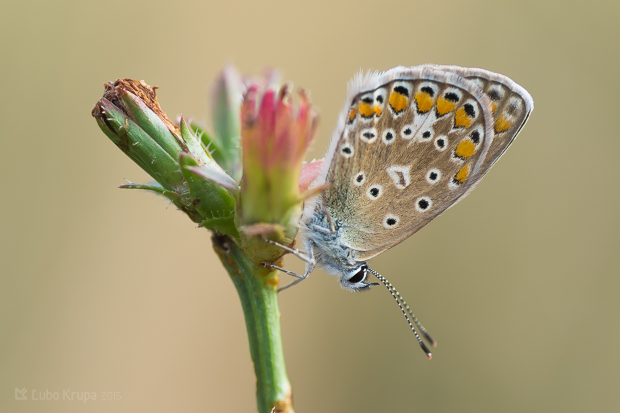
point(359, 275)
point(355, 280)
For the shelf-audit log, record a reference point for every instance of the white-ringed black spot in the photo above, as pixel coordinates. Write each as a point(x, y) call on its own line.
point(451, 97)
point(367, 100)
point(359, 178)
point(380, 99)
point(475, 137)
point(390, 221)
point(368, 135)
point(511, 109)
point(513, 106)
point(426, 136)
point(441, 143)
point(388, 136)
point(423, 204)
point(374, 191)
point(429, 90)
point(469, 110)
point(346, 150)
point(494, 95)
point(407, 132)
point(402, 90)
point(433, 176)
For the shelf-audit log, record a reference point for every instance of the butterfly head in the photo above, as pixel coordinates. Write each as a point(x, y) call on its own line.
point(356, 278)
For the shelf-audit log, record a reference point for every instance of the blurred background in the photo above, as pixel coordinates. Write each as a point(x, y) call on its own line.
point(111, 291)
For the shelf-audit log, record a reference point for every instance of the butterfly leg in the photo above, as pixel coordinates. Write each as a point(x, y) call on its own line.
point(310, 266)
point(291, 273)
point(299, 279)
point(307, 259)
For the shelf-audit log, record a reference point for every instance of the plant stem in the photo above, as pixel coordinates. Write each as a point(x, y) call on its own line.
point(257, 289)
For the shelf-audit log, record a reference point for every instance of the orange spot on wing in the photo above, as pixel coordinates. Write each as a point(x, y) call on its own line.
point(461, 119)
point(366, 110)
point(493, 107)
point(398, 102)
point(462, 175)
point(465, 149)
point(352, 114)
point(378, 110)
point(501, 124)
point(444, 106)
point(424, 101)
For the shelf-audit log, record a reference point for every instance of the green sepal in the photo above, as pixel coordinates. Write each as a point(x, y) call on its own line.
point(194, 146)
point(119, 143)
point(137, 144)
point(211, 144)
point(209, 199)
point(156, 188)
point(226, 106)
point(151, 123)
point(217, 176)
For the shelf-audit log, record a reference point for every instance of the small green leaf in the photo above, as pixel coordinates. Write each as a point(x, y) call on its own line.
point(156, 188)
point(225, 225)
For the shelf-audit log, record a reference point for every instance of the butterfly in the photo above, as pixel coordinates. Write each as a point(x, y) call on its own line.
point(410, 143)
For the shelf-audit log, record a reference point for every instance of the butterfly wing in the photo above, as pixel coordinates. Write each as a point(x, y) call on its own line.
point(511, 106)
point(411, 143)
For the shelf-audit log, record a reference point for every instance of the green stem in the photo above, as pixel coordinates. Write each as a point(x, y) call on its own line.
point(257, 289)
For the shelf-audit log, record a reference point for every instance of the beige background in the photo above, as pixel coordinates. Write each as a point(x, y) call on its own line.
point(103, 290)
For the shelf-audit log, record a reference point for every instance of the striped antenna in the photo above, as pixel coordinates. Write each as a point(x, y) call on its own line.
point(404, 308)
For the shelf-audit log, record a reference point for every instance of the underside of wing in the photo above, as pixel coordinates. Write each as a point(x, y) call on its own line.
point(411, 143)
point(511, 106)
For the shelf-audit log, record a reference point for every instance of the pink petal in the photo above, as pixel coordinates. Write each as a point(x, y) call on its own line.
point(309, 172)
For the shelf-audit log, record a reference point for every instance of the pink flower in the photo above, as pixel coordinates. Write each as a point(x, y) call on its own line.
point(274, 140)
